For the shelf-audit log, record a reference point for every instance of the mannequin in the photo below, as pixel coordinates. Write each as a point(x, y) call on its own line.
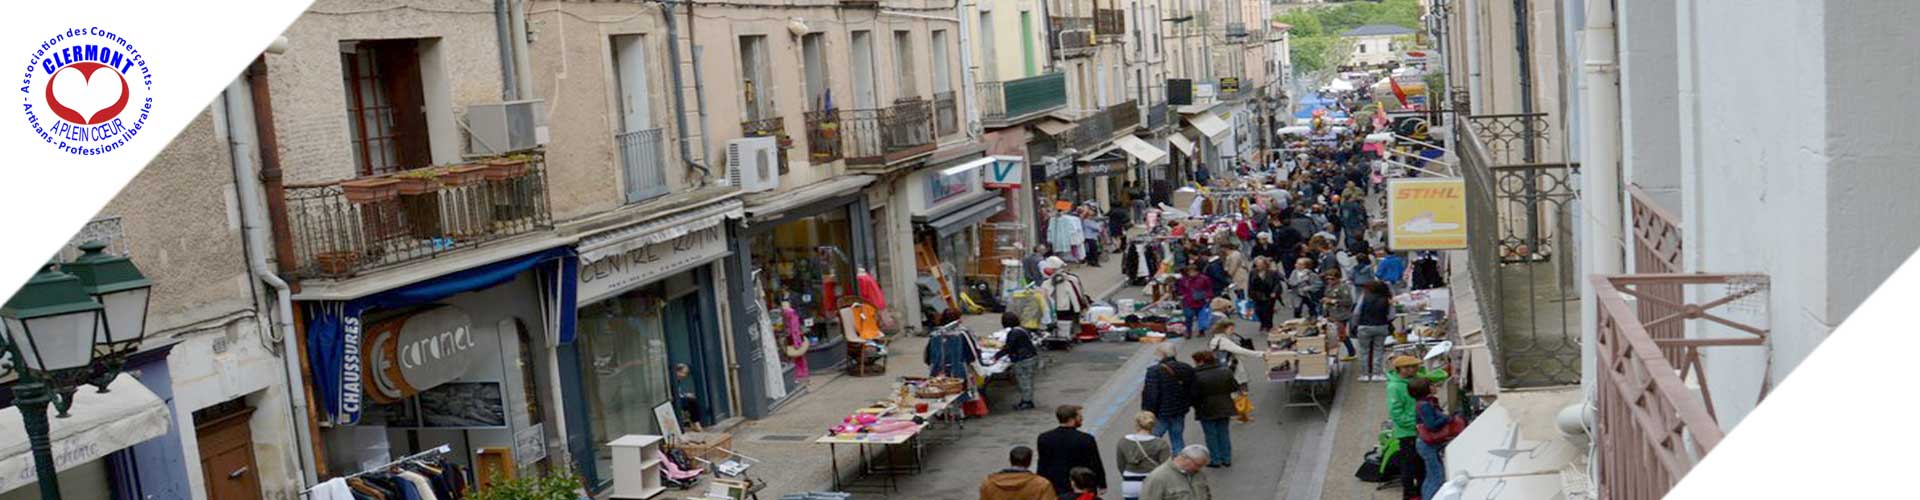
point(796, 341)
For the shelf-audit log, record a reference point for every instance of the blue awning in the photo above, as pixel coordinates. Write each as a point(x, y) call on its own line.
point(334, 329)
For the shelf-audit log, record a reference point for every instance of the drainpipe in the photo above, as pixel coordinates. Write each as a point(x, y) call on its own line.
point(1601, 229)
point(679, 90)
point(522, 66)
point(253, 93)
point(503, 28)
point(1471, 17)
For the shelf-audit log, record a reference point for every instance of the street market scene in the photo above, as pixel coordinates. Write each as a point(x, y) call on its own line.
point(1001, 249)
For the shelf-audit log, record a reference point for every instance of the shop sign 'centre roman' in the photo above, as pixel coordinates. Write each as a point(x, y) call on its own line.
point(609, 271)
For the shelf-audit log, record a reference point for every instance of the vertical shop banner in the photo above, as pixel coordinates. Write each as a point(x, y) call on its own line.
point(1427, 214)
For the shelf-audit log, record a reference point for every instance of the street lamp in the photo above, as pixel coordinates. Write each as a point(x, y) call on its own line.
point(60, 336)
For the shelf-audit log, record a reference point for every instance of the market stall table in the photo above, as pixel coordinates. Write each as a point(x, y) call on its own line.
point(909, 438)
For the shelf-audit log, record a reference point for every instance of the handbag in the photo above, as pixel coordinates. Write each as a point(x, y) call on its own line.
point(1454, 427)
point(1243, 406)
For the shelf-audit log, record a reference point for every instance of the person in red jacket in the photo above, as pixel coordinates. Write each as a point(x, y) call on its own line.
point(1195, 290)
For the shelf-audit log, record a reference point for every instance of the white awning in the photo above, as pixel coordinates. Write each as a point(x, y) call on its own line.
point(1141, 150)
point(1181, 143)
point(659, 230)
point(126, 415)
point(1054, 126)
point(1513, 451)
point(1209, 125)
point(1097, 153)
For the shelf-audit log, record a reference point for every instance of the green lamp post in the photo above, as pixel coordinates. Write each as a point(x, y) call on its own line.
point(60, 336)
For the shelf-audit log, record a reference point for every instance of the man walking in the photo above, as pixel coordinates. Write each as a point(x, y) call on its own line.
point(1180, 478)
point(1168, 393)
point(1023, 353)
point(1064, 448)
point(1016, 482)
point(1030, 264)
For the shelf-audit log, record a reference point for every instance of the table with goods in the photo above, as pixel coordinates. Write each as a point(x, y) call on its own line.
point(889, 433)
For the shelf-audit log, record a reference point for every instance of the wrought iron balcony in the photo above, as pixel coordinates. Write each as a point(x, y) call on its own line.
point(1125, 115)
point(1070, 37)
point(1109, 22)
point(1157, 115)
point(888, 135)
point(1004, 104)
point(946, 114)
point(767, 127)
point(346, 228)
point(644, 161)
point(823, 136)
point(1099, 127)
point(1651, 427)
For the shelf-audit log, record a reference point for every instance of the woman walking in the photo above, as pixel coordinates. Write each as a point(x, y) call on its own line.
point(1265, 287)
point(1374, 318)
point(1138, 454)
point(1339, 304)
point(1213, 388)
point(1307, 286)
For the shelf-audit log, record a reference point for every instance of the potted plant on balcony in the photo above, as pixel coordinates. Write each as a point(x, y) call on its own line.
point(369, 190)
point(507, 167)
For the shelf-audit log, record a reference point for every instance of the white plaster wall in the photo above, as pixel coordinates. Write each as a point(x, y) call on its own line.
point(1871, 207)
point(1649, 100)
point(220, 364)
point(1757, 177)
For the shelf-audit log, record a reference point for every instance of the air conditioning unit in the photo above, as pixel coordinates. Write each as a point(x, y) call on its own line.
point(506, 127)
point(753, 164)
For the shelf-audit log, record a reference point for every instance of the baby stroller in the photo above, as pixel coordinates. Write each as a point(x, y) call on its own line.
point(677, 470)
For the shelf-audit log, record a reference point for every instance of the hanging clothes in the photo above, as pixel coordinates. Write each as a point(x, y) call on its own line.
point(1426, 273)
point(332, 489)
point(865, 321)
point(870, 290)
point(796, 338)
point(1064, 235)
point(829, 296)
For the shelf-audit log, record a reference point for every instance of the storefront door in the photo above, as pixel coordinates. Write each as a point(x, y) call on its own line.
point(226, 457)
point(688, 343)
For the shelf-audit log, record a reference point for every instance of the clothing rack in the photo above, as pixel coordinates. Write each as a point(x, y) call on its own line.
point(436, 451)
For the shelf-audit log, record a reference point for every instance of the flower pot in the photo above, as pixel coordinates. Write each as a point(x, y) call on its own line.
point(461, 175)
point(337, 263)
point(505, 169)
point(369, 190)
point(413, 185)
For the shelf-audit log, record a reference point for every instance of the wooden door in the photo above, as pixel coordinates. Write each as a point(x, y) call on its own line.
point(226, 457)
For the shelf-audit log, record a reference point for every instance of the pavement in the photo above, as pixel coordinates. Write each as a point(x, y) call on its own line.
point(1286, 453)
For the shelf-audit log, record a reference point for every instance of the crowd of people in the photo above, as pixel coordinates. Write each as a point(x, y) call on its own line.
point(1309, 244)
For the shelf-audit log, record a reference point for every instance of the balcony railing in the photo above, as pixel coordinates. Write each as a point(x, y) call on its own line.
point(886, 135)
point(1651, 427)
point(946, 114)
point(346, 228)
point(1517, 218)
point(1096, 129)
point(1006, 103)
point(1657, 246)
point(823, 136)
point(1125, 115)
point(1236, 30)
point(643, 159)
point(1109, 22)
point(1070, 36)
point(1157, 115)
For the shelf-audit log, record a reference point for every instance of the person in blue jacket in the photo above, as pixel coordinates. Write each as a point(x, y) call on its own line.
point(1430, 417)
point(1389, 267)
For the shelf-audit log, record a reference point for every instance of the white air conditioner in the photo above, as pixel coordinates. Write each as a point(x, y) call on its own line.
point(506, 127)
point(753, 164)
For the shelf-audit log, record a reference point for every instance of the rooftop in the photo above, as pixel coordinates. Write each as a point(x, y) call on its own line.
point(1378, 30)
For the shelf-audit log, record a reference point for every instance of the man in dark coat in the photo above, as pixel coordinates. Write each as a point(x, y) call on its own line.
point(1167, 393)
point(1064, 448)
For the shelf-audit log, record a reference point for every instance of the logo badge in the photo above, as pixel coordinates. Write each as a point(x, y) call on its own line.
point(87, 91)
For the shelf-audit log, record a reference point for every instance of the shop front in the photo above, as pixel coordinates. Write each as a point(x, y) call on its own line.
point(458, 368)
point(648, 305)
point(95, 448)
point(948, 205)
point(1212, 140)
point(798, 258)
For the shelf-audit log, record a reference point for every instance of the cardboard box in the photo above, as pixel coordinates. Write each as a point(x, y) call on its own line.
point(706, 445)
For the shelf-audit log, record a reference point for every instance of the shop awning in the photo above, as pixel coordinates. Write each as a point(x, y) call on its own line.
point(773, 206)
point(1180, 142)
point(1513, 450)
point(1097, 153)
point(1054, 126)
point(595, 246)
point(1141, 150)
point(968, 214)
point(1209, 125)
point(126, 415)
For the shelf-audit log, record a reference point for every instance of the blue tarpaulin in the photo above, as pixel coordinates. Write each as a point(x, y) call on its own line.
point(334, 329)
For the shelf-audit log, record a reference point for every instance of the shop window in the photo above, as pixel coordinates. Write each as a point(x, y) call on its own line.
point(386, 105)
point(806, 264)
point(623, 344)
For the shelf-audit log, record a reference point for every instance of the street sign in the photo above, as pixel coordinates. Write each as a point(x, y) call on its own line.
point(1426, 214)
point(1004, 173)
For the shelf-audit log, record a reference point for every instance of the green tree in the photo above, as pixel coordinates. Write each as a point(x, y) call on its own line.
point(1315, 36)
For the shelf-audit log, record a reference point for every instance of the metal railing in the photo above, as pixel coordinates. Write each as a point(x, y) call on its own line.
point(343, 229)
point(1157, 115)
point(823, 136)
point(886, 135)
point(1529, 293)
point(643, 160)
point(1651, 427)
point(1657, 246)
point(1125, 115)
point(1236, 30)
point(767, 127)
point(1070, 36)
point(1512, 138)
point(1109, 22)
point(1008, 102)
point(946, 114)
